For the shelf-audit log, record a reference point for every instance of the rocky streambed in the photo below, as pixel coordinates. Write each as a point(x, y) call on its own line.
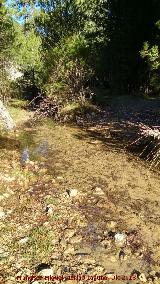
point(81, 210)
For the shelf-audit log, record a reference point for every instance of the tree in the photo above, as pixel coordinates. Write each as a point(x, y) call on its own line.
point(6, 40)
point(150, 53)
point(104, 36)
point(131, 23)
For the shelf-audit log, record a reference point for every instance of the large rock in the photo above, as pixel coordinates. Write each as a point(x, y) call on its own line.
point(5, 118)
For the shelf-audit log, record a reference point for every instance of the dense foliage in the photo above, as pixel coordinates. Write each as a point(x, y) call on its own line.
point(65, 47)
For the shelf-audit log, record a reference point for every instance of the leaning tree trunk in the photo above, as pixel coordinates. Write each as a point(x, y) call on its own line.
point(5, 118)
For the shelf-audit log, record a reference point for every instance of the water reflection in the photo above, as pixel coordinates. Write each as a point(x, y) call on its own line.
point(24, 156)
point(41, 149)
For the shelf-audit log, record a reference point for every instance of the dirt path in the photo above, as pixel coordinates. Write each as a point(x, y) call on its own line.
point(80, 207)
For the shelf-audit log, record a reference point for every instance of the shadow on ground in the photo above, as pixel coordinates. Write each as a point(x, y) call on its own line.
point(118, 125)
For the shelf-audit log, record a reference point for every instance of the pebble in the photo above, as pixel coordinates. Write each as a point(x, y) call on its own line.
point(105, 233)
point(113, 258)
point(3, 253)
point(152, 273)
point(18, 265)
point(69, 233)
point(1, 197)
point(110, 276)
point(2, 214)
point(46, 272)
point(106, 243)
point(120, 239)
point(6, 195)
point(49, 210)
point(46, 224)
point(9, 211)
point(88, 260)
point(71, 282)
point(63, 243)
point(82, 223)
point(23, 240)
point(76, 239)
point(69, 250)
point(84, 251)
point(142, 277)
point(111, 225)
point(95, 142)
point(55, 241)
point(72, 192)
point(66, 268)
point(56, 255)
point(23, 272)
point(99, 191)
point(99, 269)
point(121, 255)
point(60, 178)
point(150, 279)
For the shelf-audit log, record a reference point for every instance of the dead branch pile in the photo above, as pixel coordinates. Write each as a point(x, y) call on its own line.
point(149, 139)
point(47, 107)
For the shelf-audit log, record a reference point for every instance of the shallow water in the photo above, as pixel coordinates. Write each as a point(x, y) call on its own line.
point(131, 193)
